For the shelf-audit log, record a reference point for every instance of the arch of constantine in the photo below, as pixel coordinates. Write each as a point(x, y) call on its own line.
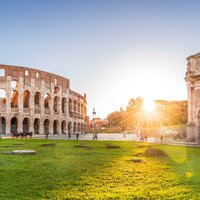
point(38, 101)
point(193, 85)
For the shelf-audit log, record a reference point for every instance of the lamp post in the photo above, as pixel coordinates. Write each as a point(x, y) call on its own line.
point(93, 127)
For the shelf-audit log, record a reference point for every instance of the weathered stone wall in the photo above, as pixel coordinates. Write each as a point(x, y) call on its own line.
point(38, 101)
point(193, 86)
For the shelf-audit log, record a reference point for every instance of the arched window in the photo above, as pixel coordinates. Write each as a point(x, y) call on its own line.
point(55, 127)
point(46, 126)
point(37, 99)
point(26, 123)
point(26, 97)
point(37, 126)
point(3, 97)
point(14, 99)
point(64, 105)
point(70, 105)
point(55, 107)
point(47, 98)
point(13, 124)
point(64, 127)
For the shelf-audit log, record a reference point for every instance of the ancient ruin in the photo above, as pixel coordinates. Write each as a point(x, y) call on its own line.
point(193, 85)
point(38, 101)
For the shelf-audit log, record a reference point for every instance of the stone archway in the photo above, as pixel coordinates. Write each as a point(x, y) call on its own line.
point(3, 125)
point(26, 97)
point(46, 126)
point(13, 125)
point(26, 123)
point(64, 105)
point(3, 98)
point(37, 126)
point(56, 127)
point(64, 127)
point(47, 98)
point(70, 127)
point(70, 105)
point(75, 128)
point(79, 128)
point(37, 98)
point(14, 99)
point(56, 102)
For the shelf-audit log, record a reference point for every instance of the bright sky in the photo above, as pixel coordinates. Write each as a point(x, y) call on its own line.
point(112, 50)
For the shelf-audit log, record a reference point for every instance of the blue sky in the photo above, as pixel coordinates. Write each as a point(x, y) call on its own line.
point(112, 50)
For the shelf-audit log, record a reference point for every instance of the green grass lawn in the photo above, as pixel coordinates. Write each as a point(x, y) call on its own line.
point(67, 172)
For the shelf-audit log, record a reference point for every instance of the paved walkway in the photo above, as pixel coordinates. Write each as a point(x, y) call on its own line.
point(112, 137)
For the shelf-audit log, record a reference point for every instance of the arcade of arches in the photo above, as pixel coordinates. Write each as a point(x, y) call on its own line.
point(40, 102)
point(65, 127)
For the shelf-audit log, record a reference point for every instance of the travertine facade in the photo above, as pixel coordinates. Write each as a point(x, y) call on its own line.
point(38, 101)
point(193, 85)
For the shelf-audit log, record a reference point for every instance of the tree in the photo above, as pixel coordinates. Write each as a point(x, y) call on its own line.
point(115, 119)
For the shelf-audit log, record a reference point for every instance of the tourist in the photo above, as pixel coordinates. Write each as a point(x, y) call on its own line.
point(77, 135)
point(161, 138)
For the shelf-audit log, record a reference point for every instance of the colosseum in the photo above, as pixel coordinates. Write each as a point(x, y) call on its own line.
point(38, 101)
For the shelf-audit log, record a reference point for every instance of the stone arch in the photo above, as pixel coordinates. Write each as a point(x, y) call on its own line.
point(3, 125)
point(47, 98)
point(82, 128)
point(75, 106)
point(63, 127)
point(79, 128)
point(56, 90)
point(64, 105)
point(3, 97)
point(56, 127)
point(14, 99)
point(70, 105)
point(13, 124)
point(79, 108)
point(55, 105)
point(26, 98)
point(69, 127)
point(46, 126)
point(37, 99)
point(75, 128)
point(26, 124)
point(36, 126)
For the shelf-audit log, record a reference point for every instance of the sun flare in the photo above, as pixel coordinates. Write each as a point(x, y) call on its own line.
point(148, 105)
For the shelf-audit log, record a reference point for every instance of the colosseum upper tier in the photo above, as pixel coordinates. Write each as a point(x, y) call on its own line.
point(40, 102)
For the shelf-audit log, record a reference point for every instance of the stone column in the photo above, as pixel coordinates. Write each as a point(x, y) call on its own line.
point(51, 126)
point(20, 124)
point(42, 104)
point(31, 103)
point(41, 129)
point(20, 97)
point(31, 125)
point(8, 101)
point(59, 126)
point(60, 105)
point(8, 131)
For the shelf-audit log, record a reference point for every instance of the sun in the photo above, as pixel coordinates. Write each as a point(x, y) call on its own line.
point(148, 105)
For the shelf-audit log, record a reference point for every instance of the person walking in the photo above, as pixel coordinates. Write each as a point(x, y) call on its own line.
point(77, 135)
point(161, 138)
point(47, 135)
